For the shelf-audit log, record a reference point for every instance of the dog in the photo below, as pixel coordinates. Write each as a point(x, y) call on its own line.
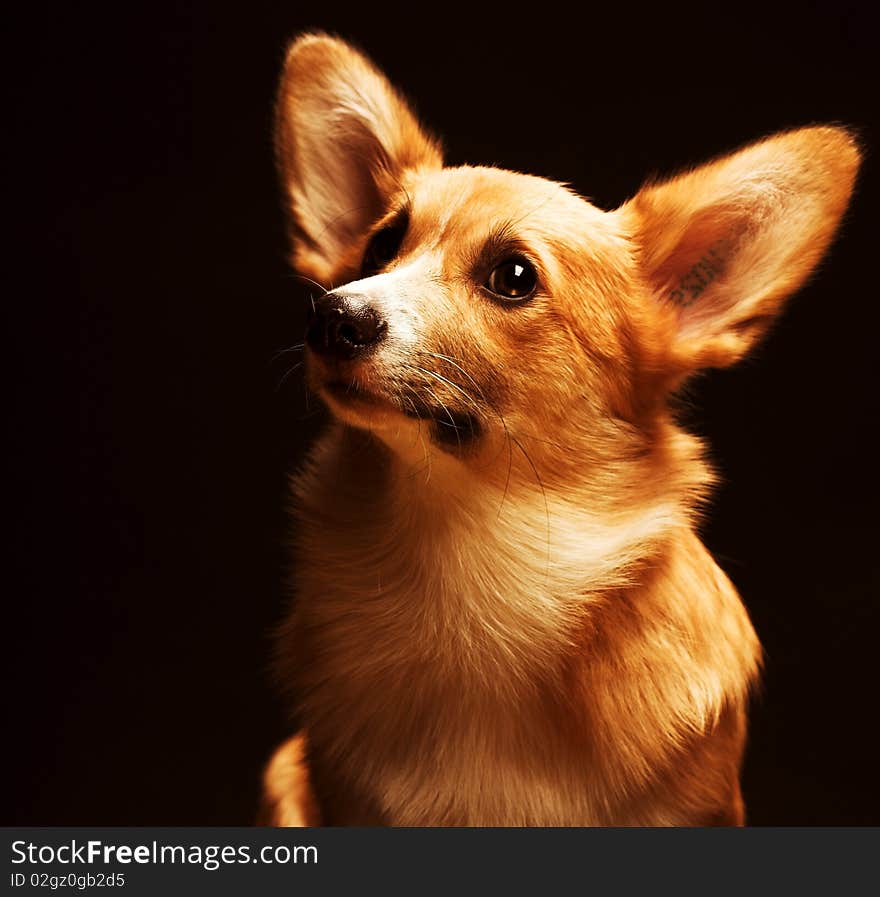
point(503, 614)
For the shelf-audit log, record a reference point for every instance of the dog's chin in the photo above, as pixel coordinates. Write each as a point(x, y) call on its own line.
point(359, 407)
point(453, 431)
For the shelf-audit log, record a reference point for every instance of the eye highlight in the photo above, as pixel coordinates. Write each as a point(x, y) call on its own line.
point(514, 279)
point(384, 246)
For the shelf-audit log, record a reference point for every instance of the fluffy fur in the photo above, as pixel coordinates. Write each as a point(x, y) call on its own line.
point(503, 614)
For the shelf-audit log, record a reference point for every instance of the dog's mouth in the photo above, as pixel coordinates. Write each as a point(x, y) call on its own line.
point(350, 391)
point(451, 428)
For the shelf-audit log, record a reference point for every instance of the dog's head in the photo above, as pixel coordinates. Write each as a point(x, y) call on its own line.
point(458, 309)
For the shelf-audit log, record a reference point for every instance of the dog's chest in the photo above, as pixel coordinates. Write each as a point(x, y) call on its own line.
point(426, 743)
point(428, 652)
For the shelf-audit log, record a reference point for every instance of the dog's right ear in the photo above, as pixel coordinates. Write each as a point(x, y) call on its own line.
point(344, 141)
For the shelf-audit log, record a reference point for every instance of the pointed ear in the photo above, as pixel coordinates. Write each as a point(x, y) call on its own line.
point(344, 139)
point(722, 246)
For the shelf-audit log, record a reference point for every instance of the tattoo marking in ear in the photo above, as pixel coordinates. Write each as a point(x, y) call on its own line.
point(701, 274)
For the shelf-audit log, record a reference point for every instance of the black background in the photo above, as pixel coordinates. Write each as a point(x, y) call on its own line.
point(149, 439)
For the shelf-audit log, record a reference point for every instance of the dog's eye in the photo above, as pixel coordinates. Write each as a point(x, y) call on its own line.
point(383, 247)
point(514, 278)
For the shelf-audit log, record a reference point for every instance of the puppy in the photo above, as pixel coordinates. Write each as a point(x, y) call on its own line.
point(504, 615)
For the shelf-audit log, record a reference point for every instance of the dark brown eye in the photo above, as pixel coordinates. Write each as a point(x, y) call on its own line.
point(383, 247)
point(514, 279)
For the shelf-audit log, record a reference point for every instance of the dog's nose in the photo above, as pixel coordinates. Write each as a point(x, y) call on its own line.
point(344, 326)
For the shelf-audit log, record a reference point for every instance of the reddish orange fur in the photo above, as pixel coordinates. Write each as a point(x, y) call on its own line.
point(526, 629)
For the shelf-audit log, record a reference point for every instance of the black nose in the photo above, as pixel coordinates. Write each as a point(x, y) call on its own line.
point(344, 326)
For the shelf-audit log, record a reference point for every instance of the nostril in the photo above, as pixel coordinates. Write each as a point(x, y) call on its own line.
point(350, 334)
point(343, 326)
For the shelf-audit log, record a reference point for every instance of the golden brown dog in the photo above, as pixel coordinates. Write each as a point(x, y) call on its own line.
point(503, 613)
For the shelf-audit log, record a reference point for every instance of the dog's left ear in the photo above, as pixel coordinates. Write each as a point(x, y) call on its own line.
point(722, 246)
point(344, 141)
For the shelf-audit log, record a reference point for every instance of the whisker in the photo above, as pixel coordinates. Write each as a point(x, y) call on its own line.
point(320, 286)
point(297, 348)
point(413, 407)
point(296, 367)
point(458, 367)
point(521, 433)
point(510, 438)
point(540, 205)
point(509, 468)
point(496, 411)
point(524, 435)
point(403, 189)
point(446, 381)
point(448, 414)
point(347, 212)
point(543, 492)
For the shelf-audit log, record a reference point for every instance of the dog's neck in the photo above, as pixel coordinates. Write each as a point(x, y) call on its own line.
point(496, 571)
